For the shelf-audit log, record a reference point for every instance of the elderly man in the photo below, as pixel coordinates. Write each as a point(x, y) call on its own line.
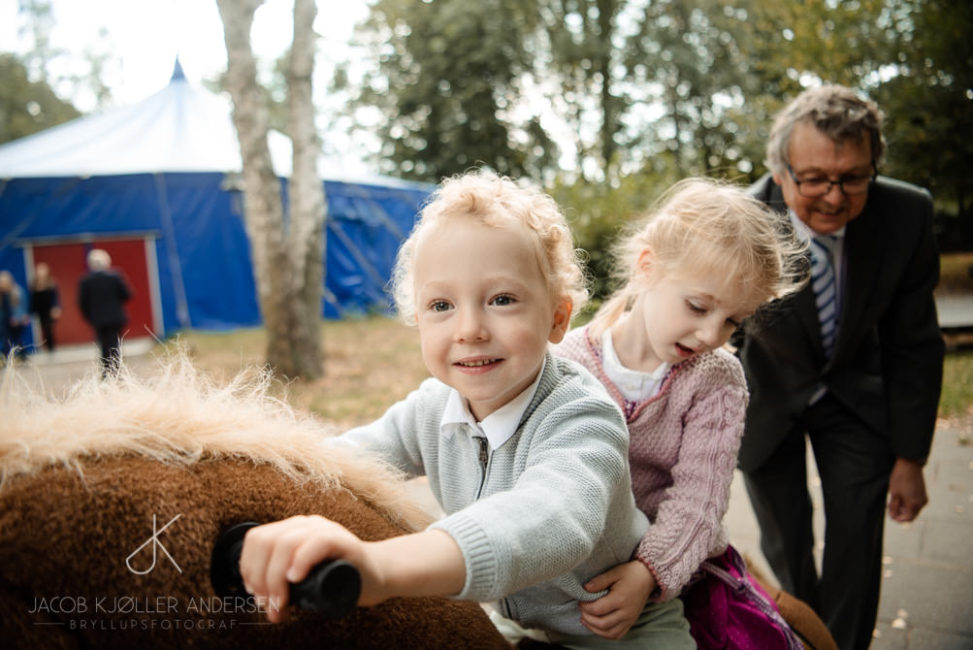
point(852, 363)
point(102, 294)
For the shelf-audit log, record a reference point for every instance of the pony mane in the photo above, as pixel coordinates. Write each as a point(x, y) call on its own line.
point(180, 417)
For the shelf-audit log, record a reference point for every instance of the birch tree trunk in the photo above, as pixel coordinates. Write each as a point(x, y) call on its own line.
point(307, 209)
point(287, 252)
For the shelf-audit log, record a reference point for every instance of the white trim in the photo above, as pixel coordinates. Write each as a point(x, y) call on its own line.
point(155, 292)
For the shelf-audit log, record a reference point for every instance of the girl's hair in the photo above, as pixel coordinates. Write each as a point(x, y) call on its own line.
point(704, 227)
point(42, 277)
point(497, 202)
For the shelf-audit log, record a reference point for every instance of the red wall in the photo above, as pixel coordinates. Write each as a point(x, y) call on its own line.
point(67, 264)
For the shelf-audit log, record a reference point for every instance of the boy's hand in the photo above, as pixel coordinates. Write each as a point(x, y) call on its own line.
point(612, 615)
point(428, 563)
point(282, 552)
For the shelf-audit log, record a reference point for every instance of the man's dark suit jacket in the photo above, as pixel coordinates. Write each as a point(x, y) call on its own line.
point(888, 358)
point(101, 297)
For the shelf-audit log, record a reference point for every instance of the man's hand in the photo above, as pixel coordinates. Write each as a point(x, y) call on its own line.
point(612, 615)
point(907, 490)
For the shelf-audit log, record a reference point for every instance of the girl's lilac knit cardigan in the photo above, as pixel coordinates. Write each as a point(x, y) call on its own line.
point(683, 450)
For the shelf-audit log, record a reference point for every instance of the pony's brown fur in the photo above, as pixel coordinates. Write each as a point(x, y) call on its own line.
point(179, 417)
point(85, 476)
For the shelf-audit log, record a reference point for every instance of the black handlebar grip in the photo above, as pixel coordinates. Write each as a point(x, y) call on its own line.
point(330, 589)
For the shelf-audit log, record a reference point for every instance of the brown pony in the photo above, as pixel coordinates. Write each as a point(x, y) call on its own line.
point(112, 498)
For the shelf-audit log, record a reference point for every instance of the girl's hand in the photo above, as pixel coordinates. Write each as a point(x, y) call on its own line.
point(612, 615)
point(282, 552)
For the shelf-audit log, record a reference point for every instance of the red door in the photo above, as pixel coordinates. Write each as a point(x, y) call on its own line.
point(67, 264)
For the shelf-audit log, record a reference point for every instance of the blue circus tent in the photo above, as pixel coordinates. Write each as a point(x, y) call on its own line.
point(158, 185)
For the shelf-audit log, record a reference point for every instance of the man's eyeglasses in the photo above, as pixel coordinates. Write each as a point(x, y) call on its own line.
point(817, 186)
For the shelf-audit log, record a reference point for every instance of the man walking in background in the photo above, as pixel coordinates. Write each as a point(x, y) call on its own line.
point(102, 295)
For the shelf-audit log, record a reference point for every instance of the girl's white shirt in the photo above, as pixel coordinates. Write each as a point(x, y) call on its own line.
point(634, 385)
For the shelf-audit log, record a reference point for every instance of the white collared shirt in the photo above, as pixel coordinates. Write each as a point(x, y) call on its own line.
point(499, 426)
point(634, 385)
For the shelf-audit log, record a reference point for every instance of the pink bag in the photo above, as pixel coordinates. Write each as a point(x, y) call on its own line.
point(728, 610)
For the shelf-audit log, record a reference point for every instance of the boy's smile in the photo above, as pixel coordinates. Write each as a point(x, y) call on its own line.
point(483, 310)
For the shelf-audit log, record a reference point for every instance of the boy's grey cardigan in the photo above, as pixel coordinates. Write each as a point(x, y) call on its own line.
point(544, 513)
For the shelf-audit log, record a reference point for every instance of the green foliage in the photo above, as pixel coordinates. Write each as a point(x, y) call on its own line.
point(45, 64)
point(674, 87)
point(446, 81)
point(599, 212)
point(929, 104)
point(27, 107)
point(580, 73)
point(687, 59)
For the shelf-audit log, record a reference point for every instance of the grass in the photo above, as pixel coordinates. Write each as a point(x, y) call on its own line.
point(957, 398)
point(370, 363)
point(954, 274)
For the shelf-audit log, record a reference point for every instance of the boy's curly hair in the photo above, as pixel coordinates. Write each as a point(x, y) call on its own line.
point(498, 202)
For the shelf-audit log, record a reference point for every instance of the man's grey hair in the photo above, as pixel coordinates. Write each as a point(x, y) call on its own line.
point(837, 112)
point(98, 259)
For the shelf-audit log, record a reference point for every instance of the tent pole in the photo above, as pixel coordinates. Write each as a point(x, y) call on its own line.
point(172, 252)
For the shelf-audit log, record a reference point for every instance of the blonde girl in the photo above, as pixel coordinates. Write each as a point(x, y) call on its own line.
point(699, 265)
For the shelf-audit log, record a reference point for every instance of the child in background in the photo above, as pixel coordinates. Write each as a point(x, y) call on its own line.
point(13, 318)
point(691, 273)
point(525, 452)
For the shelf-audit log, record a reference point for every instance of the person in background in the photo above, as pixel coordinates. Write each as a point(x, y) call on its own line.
point(703, 261)
point(45, 303)
point(13, 317)
point(853, 362)
point(102, 294)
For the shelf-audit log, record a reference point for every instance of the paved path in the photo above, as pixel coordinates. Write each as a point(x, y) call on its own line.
point(56, 372)
point(927, 587)
point(955, 311)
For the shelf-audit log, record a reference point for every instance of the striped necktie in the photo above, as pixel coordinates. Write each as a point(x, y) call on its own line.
point(825, 290)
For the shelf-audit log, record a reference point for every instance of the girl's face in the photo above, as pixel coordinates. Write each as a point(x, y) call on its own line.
point(685, 314)
point(483, 311)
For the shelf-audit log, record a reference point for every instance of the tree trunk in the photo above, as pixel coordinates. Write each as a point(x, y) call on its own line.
point(287, 273)
point(307, 209)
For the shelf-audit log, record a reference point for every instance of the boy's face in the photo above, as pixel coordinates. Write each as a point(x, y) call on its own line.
point(483, 311)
